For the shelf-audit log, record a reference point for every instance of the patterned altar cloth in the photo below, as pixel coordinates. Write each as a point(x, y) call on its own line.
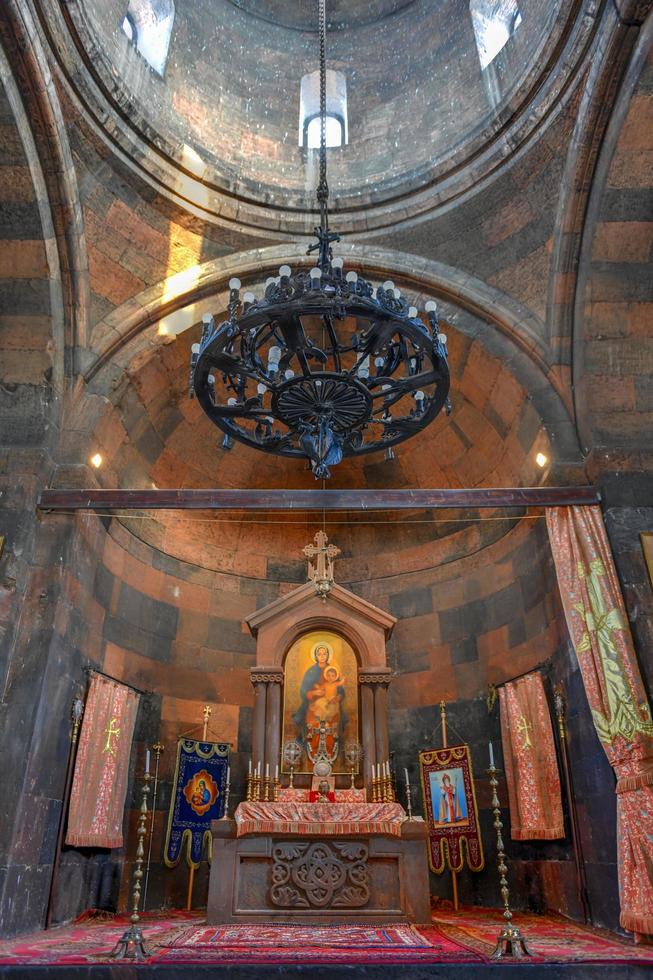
point(329, 819)
point(286, 794)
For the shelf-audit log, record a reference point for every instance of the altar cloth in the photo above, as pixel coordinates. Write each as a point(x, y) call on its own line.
point(328, 819)
point(287, 794)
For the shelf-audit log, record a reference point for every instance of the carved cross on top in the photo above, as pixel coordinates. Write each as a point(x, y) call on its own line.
point(321, 573)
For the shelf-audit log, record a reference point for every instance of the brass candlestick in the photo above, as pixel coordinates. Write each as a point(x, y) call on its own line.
point(131, 945)
point(510, 941)
point(266, 789)
point(275, 789)
point(376, 789)
point(256, 787)
point(248, 795)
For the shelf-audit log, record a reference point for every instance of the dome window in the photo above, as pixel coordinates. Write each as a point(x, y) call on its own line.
point(336, 110)
point(494, 22)
point(148, 26)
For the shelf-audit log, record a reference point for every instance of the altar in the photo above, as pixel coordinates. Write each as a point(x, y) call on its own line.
point(337, 864)
point(320, 837)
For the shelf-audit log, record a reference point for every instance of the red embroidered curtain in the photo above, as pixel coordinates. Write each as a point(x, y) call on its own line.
point(598, 625)
point(97, 798)
point(530, 760)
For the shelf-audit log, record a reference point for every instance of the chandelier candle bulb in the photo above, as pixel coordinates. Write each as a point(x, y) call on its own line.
point(412, 312)
point(234, 285)
point(431, 306)
point(352, 277)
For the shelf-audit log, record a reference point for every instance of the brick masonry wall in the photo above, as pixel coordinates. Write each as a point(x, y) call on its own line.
point(615, 358)
point(26, 348)
point(176, 629)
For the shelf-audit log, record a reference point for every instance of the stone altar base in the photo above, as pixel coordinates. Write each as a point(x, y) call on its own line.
point(309, 878)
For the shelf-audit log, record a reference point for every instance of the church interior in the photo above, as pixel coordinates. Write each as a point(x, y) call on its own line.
point(326, 487)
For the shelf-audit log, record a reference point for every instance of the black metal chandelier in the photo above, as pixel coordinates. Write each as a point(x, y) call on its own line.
point(323, 365)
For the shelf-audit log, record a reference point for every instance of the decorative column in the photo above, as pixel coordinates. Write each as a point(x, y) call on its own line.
point(273, 720)
point(381, 717)
point(259, 680)
point(367, 728)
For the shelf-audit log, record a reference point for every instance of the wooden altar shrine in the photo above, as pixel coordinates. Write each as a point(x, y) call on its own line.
point(320, 656)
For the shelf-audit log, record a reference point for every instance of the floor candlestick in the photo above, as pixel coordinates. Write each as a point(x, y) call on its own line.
point(131, 945)
point(510, 941)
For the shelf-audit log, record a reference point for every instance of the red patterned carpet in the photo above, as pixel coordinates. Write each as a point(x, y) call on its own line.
point(185, 938)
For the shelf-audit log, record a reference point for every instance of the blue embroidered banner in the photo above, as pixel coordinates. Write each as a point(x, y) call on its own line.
point(197, 799)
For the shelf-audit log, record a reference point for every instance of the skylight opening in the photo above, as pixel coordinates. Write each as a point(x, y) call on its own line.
point(148, 26)
point(336, 110)
point(334, 132)
point(494, 22)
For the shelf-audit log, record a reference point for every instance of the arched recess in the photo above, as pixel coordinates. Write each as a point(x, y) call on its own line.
point(507, 330)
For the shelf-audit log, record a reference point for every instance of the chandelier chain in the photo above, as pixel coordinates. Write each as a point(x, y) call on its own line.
point(323, 187)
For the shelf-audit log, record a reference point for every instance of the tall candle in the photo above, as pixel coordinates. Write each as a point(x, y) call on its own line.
point(258, 770)
point(267, 770)
point(406, 775)
point(147, 761)
point(491, 755)
point(276, 774)
point(249, 771)
point(228, 775)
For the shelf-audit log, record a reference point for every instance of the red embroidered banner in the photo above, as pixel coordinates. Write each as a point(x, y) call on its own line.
point(97, 799)
point(450, 806)
point(598, 625)
point(530, 760)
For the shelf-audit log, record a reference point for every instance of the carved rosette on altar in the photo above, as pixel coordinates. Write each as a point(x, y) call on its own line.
point(450, 806)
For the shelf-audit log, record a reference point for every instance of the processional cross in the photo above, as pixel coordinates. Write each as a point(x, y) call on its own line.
point(321, 573)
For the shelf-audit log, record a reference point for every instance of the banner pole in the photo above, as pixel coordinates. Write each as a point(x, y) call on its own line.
point(77, 710)
point(191, 880)
point(445, 745)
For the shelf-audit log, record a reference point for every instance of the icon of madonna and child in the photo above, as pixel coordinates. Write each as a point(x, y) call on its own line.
point(321, 710)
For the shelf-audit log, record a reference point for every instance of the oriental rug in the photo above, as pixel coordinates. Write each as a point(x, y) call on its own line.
point(180, 938)
point(551, 938)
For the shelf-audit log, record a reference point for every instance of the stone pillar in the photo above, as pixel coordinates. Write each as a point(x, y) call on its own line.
point(367, 730)
point(258, 725)
point(381, 720)
point(273, 722)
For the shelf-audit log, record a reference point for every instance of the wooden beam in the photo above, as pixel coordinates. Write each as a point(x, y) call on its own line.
point(303, 500)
